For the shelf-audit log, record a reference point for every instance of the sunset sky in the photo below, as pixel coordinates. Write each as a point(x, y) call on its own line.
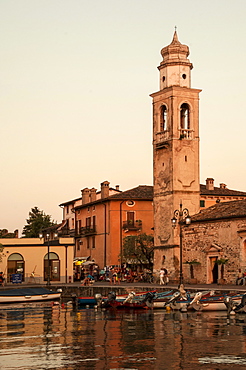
point(75, 80)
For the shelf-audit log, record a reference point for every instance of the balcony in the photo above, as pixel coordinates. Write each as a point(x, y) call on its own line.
point(186, 134)
point(161, 139)
point(132, 225)
point(87, 230)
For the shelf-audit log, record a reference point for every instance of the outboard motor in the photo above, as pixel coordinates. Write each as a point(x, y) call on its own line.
point(230, 305)
point(99, 299)
point(148, 299)
point(111, 297)
point(174, 298)
point(241, 307)
point(130, 297)
point(196, 301)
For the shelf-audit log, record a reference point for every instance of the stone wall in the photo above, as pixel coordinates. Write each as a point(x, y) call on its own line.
point(205, 240)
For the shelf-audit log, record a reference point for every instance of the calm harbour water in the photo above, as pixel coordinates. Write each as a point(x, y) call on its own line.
point(46, 336)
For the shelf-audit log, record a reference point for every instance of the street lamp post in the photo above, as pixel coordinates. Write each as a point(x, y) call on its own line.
point(47, 237)
point(181, 216)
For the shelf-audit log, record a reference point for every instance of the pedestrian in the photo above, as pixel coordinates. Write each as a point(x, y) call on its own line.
point(1, 279)
point(162, 276)
point(110, 275)
point(166, 278)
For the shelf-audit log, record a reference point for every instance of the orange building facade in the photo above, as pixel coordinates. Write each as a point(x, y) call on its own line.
point(99, 221)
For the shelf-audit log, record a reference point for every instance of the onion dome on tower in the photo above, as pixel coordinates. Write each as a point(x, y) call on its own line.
point(175, 67)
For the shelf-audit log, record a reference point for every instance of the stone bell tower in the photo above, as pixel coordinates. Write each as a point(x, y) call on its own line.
point(175, 151)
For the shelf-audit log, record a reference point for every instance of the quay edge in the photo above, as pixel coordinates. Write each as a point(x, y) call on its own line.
point(68, 290)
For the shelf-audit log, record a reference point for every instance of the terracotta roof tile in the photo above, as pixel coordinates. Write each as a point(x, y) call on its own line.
point(140, 192)
point(221, 191)
point(231, 209)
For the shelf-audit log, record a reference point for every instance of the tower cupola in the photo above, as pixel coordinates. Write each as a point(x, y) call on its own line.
point(175, 67)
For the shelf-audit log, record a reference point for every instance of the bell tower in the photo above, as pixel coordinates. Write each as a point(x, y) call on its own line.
point(175, 151)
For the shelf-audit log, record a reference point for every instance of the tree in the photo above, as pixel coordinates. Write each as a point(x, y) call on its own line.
point(5, 234)
point(37, 221)
point(139, 249)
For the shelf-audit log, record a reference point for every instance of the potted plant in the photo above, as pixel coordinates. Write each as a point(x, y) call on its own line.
point(192, 263)
point(222, 262)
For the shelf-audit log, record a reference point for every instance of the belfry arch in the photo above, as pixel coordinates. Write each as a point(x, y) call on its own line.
point(163, 118)
point(185, 116)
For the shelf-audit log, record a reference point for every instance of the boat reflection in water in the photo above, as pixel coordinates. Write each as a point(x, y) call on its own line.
point(46, 336)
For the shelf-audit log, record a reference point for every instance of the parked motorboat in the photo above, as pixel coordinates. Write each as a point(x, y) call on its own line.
point(213, 302)
point(201, 301)
point(28, 295)
point(131, 301)
point(100, 301)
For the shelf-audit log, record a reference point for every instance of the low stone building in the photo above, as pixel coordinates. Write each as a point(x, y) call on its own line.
point(216, 241)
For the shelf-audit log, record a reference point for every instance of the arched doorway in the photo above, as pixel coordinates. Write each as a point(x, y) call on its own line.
point(214, 269)
point(54, 267)
point(15, 265)
point(213, 254)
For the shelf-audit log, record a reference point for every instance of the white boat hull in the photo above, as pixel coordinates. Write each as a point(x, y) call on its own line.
point(209, 306)
point(21, 299)
point(28, 295)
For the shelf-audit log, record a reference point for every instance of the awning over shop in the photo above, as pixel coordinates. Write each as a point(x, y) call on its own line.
point(86, 263)
point(78, 261)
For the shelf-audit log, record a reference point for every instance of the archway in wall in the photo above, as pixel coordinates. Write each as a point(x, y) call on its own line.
point(213, 254)
point(15, 265)
point(52, 265)
point(214, 270)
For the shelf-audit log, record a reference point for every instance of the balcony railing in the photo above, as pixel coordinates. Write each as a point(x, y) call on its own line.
point(186, 134)
point(131, 225)
point(87, 230)
point(162, 136)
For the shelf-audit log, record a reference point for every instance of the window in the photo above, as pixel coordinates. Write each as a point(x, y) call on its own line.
point(88, 243)
point(130, 203)
point(202, 203)
point(78, 226)
point(67, 209)
point(163, 118)
point(88, 222)
point(130, 218)
point(93, 242)
point(94, 222)
point(185, 117)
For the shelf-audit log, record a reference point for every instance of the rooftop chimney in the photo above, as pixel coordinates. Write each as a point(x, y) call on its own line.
point(85, 195)
point(117, 187)
point(210, 184)
point(222, 186)
point(104, 189)
point(93, 193)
